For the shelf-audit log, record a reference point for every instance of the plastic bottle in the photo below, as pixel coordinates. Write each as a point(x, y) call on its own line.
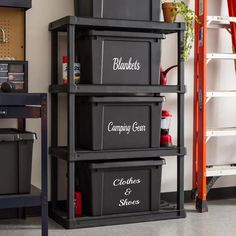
point(65, 71)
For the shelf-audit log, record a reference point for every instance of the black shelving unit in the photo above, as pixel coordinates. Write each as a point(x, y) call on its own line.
point(71, 25)
point(23, 106)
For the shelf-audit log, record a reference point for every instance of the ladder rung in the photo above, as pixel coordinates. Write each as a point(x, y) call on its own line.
point(221, 19)
point(214, 22)
point(218, 26)
point(218, 94)
point(219, 132)
point(220, 170)
point(225, 56)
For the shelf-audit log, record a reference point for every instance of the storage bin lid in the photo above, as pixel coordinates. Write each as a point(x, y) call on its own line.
point(122, 164)
point(26, 4)
point(11, 135)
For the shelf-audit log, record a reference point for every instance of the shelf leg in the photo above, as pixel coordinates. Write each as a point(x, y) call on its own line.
point(54, 184)
point(180, 133)
point(71, 190)
point(21, 123)
point(71, 122)
point(54, 121)
point(44, 166)
point(180, 183)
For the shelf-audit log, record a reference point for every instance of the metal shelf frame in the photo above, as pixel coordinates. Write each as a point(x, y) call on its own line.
point(86, 90)
point(23, 106)
point(83, 222)
point(81, 23)
point(87, 155)
point(71, 25)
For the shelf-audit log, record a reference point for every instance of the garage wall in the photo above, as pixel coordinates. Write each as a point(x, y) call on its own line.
point(222, 75)
point(38, 48)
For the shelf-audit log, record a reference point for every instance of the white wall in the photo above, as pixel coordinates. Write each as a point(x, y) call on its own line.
point(221, 76)
point(38, 54)
point(38, 48)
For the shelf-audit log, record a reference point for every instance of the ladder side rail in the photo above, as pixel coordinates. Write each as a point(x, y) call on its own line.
point(201, 204)
point(195, 101)
point(232, 13)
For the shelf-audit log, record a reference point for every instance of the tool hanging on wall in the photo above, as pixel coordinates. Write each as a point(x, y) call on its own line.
point(205, 176)
point(4, 36)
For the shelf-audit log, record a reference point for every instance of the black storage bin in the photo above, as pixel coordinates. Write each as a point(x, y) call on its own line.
point(148, 10)
point(16, 160)
point(118, 122)
point(117, 58)
point(119, 187)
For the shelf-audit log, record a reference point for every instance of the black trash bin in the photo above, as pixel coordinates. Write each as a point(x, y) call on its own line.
point(148, 10)
point(118, 58)
point(119, 187)
point(16, 160)
point(106, 123)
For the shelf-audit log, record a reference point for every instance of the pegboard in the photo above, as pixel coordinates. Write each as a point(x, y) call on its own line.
point(12, 21)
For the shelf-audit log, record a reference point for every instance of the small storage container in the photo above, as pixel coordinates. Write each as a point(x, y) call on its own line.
point(3, 67)
point(16, 160)
point(16, 72)
point(3, 79)
point(119, 187)
point(148, 10)
point(3, 74)
point(118, 122)
point(16, 77)
point(117, 58)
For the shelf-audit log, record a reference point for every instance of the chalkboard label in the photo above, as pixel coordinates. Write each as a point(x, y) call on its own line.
point(126, 126)
point(126, 191)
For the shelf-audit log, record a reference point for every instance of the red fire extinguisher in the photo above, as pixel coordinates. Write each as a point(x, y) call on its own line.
point(166, 139)
point(163, 74)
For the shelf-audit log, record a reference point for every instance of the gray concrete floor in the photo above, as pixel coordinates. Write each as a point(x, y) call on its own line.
point(219, 221)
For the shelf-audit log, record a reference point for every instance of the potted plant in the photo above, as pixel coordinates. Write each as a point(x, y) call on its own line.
point(171, 10)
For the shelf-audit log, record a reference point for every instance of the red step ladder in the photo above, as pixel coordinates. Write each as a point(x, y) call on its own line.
point(232, 13)
point(205, 176)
